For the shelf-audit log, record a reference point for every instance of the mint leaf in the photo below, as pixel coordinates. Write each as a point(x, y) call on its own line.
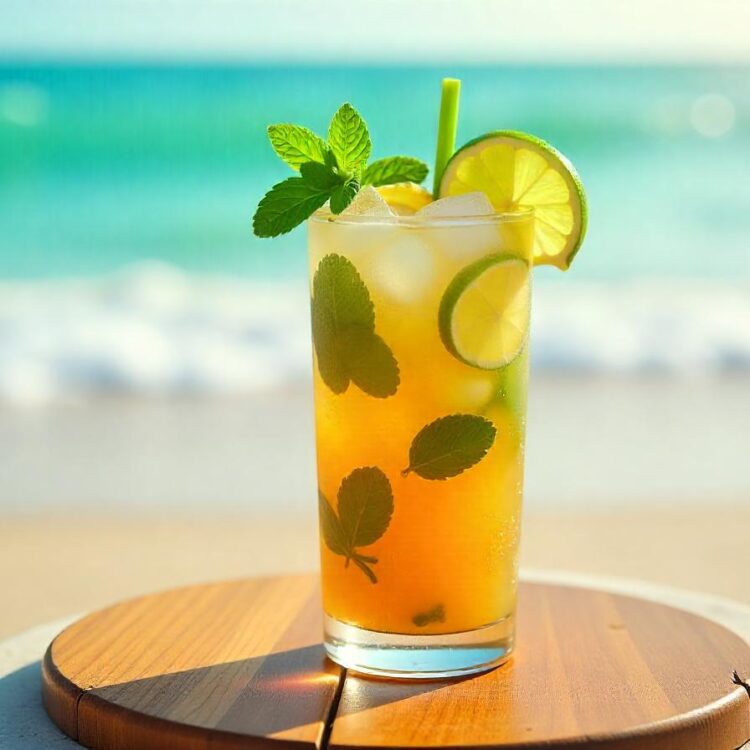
point(296, 145)
point(371, 364)
point(395, 169)
point(330, 527)
point(436, 614)
point(343, 195)
point(331, 358)
point(365, 507)
point(291, 202)
point(343, 327)
point(332, 363)
point(340, 303)
point(286, 205)
point(340, 297)
point(330, 159)
point(349, 140)
point(450, 445)
point(319, 175)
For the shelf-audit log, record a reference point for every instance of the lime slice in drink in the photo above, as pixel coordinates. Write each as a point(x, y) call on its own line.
point(484, 313)
point(516, 170)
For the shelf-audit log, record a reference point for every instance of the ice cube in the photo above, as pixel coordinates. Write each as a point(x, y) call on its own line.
point(402, 268)
point(368, 202)
point(474, 234)
point(468, 204)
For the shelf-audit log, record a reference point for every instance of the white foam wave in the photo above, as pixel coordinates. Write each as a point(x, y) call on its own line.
point(643, 326)
point(151, 329)
point(155, 330)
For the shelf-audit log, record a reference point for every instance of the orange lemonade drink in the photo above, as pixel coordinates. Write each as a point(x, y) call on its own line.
point(419, 420)
point(420, 305)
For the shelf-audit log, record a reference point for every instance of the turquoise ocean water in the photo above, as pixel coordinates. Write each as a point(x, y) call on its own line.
point(105, 165)
point(126, 193)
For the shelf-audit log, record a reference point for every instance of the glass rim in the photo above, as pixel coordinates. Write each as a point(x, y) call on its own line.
point(324, 216)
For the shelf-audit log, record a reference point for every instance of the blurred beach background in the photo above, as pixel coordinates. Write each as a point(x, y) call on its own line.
point(155, 363)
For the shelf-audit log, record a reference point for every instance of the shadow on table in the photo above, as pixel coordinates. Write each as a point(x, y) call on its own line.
point(24, 725)
point(280, 695)
point(263, 696)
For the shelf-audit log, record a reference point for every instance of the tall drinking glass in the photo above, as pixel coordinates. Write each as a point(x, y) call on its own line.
point(420, 332)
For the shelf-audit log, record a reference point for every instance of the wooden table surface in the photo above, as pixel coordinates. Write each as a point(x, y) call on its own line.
point(240, 665)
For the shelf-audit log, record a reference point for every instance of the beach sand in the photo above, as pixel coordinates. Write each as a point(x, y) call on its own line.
point(64, 565)
point(593, 443)
point(103, 499)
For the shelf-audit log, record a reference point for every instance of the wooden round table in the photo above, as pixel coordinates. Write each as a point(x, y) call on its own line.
point(240, 665)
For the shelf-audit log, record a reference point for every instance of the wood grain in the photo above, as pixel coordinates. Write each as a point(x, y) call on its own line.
point(192, 668)
point(621, 672)
point(240, 665)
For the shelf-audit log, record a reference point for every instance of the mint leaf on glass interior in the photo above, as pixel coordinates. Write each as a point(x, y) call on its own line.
point(296, 145)
point(330, 527)
point(346, 346)
point(450, 445)
point(395, 169)
point(436, 614)
point(370, 363)
point(332, 171)
point(365, 507)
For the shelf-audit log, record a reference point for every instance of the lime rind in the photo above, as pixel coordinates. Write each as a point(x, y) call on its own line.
point(562, 166)
point(469, 279)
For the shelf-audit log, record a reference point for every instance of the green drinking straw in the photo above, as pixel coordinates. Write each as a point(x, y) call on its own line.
point(447, 126)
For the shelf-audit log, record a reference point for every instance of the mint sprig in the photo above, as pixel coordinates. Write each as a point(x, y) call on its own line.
point(332, 171)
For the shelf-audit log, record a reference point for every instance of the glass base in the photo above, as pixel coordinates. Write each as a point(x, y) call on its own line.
point(425, 657)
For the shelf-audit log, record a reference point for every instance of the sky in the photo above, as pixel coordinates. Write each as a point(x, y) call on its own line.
point(352, 31)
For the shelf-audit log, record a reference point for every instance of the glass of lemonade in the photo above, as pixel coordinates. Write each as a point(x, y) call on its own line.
point(420, 331)
point(420, 317)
